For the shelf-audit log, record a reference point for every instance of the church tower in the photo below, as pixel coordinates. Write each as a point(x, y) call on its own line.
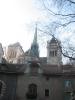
point(54, 55)
point(34, 51)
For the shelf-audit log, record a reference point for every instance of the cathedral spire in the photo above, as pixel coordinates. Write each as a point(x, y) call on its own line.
point(35, 36)
point(34, 47)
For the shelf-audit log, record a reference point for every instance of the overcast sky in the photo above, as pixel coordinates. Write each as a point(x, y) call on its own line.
point(17, 18)
point(17, 23)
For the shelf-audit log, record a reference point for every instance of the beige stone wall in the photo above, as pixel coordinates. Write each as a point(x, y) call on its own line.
point(13, 53)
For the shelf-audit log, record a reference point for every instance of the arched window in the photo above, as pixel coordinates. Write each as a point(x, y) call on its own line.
point(32, 91)
point(32, 88)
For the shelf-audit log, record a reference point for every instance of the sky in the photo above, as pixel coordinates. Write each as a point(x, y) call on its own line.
point(17, 22)
point(18, 19)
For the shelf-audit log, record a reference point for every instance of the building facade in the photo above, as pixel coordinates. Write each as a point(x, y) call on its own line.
point(37, 81)
point(36, 78)
point(1, 53)
point(13, 53)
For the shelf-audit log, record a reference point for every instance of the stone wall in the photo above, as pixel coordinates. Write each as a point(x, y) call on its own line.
point(10, 86)
point(53, 84)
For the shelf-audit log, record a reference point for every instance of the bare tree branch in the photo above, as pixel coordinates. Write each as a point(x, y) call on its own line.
point(69, 18)
point(71, 1)
point(66, 54)
point(59, 14)
point(65, 24)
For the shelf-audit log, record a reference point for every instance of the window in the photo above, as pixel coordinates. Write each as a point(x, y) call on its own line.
point(32, 91)
point(32, 88)
point(46, 92)
point(68, 83)
point(53, 53)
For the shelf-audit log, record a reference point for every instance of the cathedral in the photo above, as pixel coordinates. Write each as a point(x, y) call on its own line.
point(26, 76)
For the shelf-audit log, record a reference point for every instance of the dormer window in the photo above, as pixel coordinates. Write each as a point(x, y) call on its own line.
point(68, 83)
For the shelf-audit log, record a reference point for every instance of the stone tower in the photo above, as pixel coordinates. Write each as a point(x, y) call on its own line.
point(54, 55)
point(34, 51)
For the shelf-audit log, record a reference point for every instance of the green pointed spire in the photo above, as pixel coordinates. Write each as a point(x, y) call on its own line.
point(35, 36)
point(34, 47)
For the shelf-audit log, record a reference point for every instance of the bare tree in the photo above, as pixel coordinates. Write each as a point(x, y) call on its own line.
point(67, 51)
point(62, 9)
point(64, 12)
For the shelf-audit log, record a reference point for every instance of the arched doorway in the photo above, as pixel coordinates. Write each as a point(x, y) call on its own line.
point(32, 91)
